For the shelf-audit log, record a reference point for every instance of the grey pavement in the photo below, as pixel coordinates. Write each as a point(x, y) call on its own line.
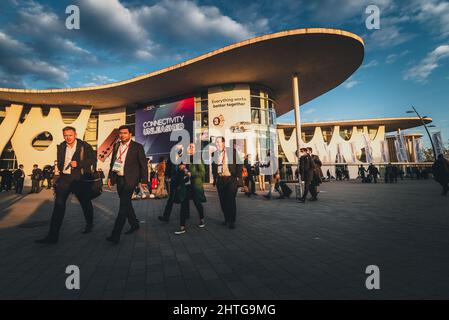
point(280, 249)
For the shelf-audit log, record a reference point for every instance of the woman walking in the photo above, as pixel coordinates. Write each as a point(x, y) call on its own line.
point(189, 186)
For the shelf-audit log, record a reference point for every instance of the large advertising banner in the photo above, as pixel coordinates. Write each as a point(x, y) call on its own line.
point(438, 142)
point(353, 146)
point(368, 148)
point(229, 109)
point(155, 124)
point(401, 148)
point(108, 124)
point(384, 152)
point(419, 154)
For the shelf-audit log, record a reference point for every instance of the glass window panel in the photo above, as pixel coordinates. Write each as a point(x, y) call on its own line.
point(205, 119)
point(255, 116)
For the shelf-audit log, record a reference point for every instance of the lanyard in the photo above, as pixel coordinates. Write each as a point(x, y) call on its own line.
point(122, 152)
point(223, 155)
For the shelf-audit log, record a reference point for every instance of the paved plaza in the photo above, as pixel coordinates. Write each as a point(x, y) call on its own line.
point(280, 249)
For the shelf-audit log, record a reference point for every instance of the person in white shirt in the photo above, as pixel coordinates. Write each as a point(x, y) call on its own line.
point(74, 157)
point(228, 174)
point(128, 169)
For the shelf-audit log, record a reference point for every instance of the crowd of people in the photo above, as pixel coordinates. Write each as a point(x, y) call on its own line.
point(15, 179)
point(180, 181)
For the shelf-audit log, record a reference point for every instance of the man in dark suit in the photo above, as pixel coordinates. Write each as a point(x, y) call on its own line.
point(75, 157)
point(36, 177)
point(317, 174)
point(229, 178)
point(306, 168)
point(19, 177)
point(47, 174)
point(128, 168)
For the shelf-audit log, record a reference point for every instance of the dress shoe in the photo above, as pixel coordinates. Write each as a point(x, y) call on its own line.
point(88, 229)
point(47, 240)
point(112, 239)
point(302, 200)
point(162, 218)
point(232, 225)
point(132, 229)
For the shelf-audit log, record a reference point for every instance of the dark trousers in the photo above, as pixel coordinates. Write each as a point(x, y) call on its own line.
point(170, 200)
point(6, 185)
point(445, 188)
point(185, 207)
point(67, 185)
point(19, 186)
point(307, 187)
point(251, 184)
point(35, 186)
point(313, 190)
point(227, 190)
point(126, 210)
point(48, 183)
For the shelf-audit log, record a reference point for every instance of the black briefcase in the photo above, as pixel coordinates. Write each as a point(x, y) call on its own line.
point(92, 184)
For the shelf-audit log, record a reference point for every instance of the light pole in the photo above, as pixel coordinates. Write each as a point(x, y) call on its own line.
point(295, 88)
point(427, 130)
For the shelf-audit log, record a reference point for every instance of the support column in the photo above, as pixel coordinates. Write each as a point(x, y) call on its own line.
point(295, 88)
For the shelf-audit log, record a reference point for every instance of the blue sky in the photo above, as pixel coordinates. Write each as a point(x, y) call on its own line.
point(406, 60)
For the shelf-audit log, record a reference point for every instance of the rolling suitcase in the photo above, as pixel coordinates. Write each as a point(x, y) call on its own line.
point(286, 191)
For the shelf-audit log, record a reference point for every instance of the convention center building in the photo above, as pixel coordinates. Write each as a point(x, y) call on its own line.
point(237, 92)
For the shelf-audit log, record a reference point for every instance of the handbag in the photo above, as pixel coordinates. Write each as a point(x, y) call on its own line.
point(92, 184)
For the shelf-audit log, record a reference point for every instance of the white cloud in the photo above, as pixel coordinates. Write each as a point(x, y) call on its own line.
point(15, 63)
point(118, 30)
point(388, 35)
point(422, 70)
point(148, 31)
point(350, 84)
point(47, 34)
point(96, 80)
point(372, 63)
point(196, 23)
point(393, 57)
point(7, 43)
point(434, 13)
point(309, 111)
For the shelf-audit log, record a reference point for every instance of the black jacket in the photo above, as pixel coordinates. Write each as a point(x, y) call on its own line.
point(136, 169)
point(306, 167)
point(36, 174)
point(18, 174)
point(440, 170)
point(89, 160)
